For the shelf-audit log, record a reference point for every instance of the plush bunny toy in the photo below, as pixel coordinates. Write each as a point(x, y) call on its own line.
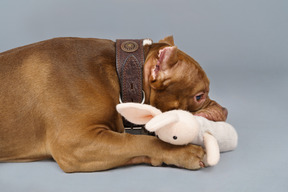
point(180, 127)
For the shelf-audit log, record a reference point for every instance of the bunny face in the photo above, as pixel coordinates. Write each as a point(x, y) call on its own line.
point(176, 127)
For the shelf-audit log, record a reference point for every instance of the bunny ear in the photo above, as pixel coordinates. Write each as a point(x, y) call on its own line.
point(161, 121)
point(212, 149)
point(137, 113)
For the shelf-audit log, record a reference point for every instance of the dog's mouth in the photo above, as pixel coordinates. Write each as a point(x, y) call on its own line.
point(213, 113)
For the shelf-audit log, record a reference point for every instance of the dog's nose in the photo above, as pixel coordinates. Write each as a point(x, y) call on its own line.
point(225, 112)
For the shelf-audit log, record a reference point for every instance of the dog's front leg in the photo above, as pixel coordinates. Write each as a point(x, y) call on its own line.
point(102, 149)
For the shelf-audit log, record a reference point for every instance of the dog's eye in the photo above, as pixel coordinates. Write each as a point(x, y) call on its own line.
point(198, 97)
point(175, 137)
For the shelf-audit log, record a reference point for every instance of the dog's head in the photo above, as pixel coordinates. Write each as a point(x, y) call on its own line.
point(174, 80)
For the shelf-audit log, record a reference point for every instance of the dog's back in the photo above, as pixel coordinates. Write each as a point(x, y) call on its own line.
point(40, 85)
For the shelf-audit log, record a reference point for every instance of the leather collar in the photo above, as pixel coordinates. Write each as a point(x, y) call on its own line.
point(130, 60)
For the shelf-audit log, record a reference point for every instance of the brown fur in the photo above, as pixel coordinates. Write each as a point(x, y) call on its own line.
point(58, 101)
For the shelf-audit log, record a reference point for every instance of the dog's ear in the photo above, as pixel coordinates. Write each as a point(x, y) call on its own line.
point(161, 121)
point(161, 73)
point(137, 113)
point(168, 40)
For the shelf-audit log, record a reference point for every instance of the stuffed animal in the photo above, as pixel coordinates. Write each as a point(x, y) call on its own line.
point(180, 127)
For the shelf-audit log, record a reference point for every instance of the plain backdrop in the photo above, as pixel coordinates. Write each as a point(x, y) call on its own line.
point(242, 46)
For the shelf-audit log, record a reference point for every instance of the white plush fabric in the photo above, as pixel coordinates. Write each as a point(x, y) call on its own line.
point(224, 133)
point(180, 127)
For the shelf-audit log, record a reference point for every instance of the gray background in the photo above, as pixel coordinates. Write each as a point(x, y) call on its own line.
point(242, 45)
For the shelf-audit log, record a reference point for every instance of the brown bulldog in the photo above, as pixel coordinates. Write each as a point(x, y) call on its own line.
point(58, 98)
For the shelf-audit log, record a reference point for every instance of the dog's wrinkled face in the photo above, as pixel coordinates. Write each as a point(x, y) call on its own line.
point(176, 81)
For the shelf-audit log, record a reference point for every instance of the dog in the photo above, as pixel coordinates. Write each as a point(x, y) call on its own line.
point(59, 96)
